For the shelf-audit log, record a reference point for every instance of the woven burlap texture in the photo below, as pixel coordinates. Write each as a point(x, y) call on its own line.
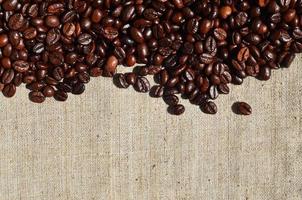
point(117, 144)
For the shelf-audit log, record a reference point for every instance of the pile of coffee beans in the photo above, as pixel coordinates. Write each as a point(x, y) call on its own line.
point(193, 48)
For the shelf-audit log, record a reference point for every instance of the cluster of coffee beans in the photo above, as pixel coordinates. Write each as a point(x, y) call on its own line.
point(192, 48)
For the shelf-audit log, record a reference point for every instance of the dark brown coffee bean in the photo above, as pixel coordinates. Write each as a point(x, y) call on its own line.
point(3, 40)
point(58, 73)
point(7, 76)
point(36, 97)
point(21, 66)
point(136, 35)
point(209, 108)
point(213, 92)
point(53, 36)
point(30, 33)
point(111, 65)
point(56, 58)
point(48, 91)
point(9, 90)
point(142, 85)
point(150, 14)
point(131, 78)
point(52, 21)
point(85, 39)
point(243, 54)
point(220, 34)
point(242, 108)
point(157, 91)
point(206, 58)
point(176, 109)
point(120, 80)
point(60, 95)
point(110, 33)
point(78, 88)
point(16, 21)
point(224, 89)
point(171, 100)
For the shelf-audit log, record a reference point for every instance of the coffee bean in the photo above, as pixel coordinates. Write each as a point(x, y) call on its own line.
point(78, 88)
point(224, 89)
point(36, 97)
point(3, 40)
point(111, 65)
point(243, 54)
point(136, 35)
point(9, 90)
point(171, 100)
point(220, 34)
point(157, 91)
point(176, 109)
point(206, 58)
point(52, 21)
point(48, 91)
point(7, 76)
point(16, 21)
point(60, 95)
point(21, 66)
point(213, 92)
point(30, 33)
point(85, 39)
point(242, 108)
point(38, 48)
point(121, 81)
point(53, 36)
point(142, 85)
point(209, 108)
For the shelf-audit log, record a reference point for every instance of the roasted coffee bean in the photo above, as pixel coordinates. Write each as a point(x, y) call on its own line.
point(21, 66)
point(7, 76)
point(176, 109)
point(85, 39)
point(131, 78)
point(9, 90)
point(220, 34)
point(78, 88)
point(3, 40)
point(120, 81)
point(209, 108)
point(111, 65)
point(224, 89)
point(60, 95)
point(242, 108)
point(213, 92)
point(36, 97)
point(53, 36)
point(243, 54)
point(157, 91)
point(16, 21)
point(52, 21)
point(142, 85)
point(48, 91)
point(171, 100)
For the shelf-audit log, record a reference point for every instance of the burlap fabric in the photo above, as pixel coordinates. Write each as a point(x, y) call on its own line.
point(117, 144)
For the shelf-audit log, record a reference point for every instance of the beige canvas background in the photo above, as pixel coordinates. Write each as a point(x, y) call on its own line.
point(117, 144)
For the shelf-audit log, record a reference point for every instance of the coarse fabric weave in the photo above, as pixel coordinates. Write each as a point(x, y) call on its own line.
point(111, 143)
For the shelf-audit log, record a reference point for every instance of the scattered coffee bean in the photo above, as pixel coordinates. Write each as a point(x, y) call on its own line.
point(176, 109)
point(209, 108)
point(36, 97)
point(242, 108)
